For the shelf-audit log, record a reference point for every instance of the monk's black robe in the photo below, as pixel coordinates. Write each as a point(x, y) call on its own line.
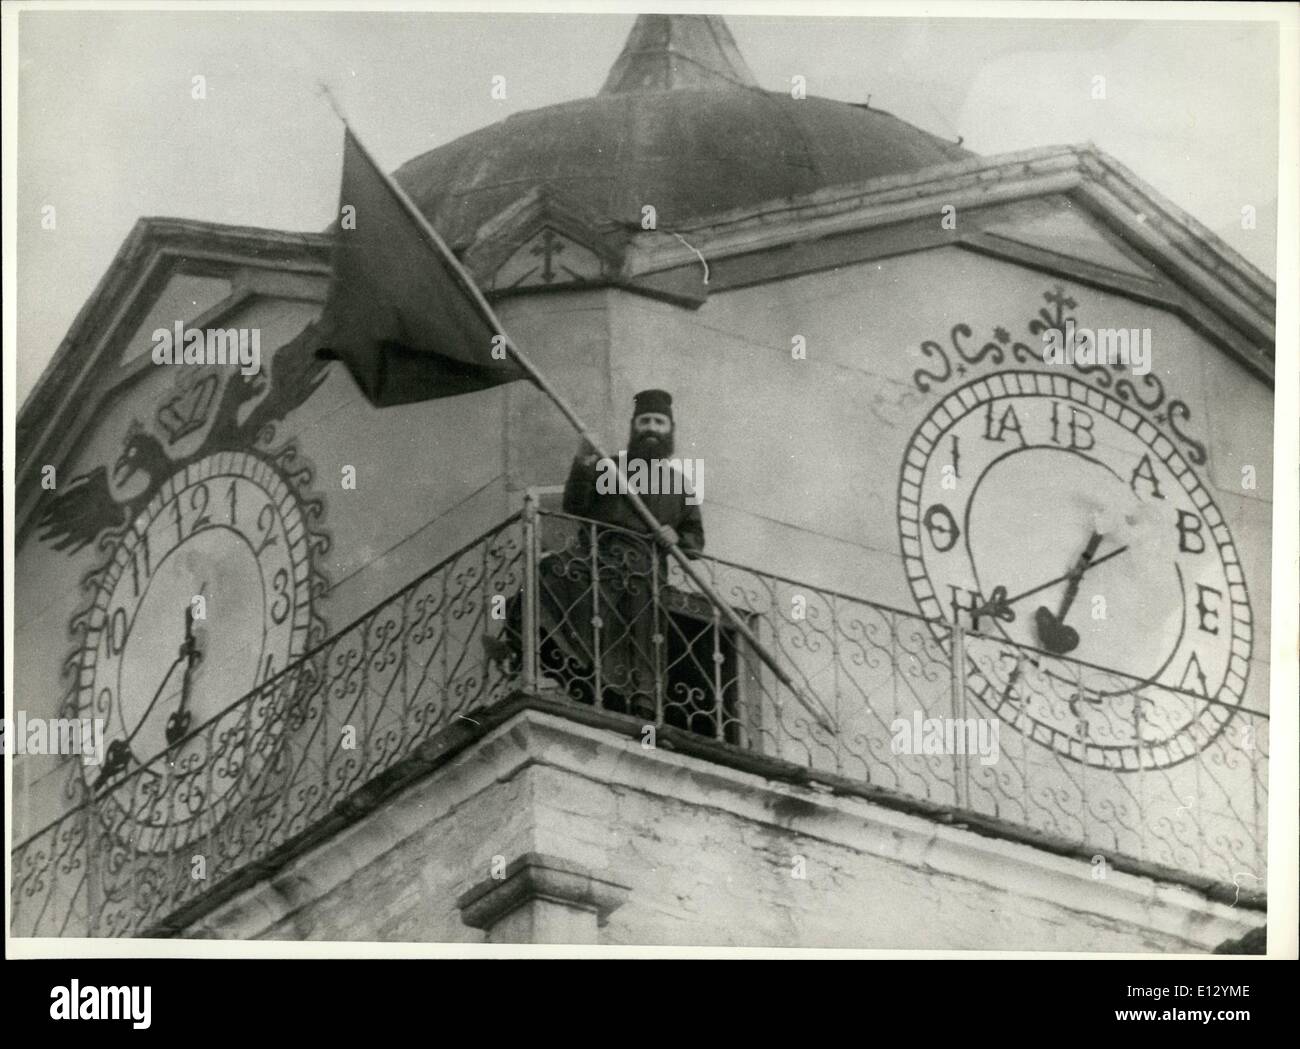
point(602, 625)
point(582, 499)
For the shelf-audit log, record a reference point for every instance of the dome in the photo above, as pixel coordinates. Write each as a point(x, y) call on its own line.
point(681, 125)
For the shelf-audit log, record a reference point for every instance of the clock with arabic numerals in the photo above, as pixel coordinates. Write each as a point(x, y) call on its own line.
point(180, 750)
point(1039, 511)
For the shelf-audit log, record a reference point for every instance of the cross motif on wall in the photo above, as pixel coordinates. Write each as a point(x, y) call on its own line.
point(1062, 302)
point(547, 249)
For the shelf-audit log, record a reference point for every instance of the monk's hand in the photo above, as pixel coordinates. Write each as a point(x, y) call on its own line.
point(666, 535)
point(586, 453)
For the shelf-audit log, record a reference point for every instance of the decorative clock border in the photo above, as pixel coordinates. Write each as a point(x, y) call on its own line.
point(244, 418)
point(1214, 717)
point(1150, 397)
point(165, 836)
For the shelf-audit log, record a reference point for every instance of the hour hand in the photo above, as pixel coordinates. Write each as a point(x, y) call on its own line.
point(1055, 635)
point(116, 758)
point(1052, 631)
point(178, 723)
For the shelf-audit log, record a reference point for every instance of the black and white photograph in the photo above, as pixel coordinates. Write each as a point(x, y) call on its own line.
point(744, 478)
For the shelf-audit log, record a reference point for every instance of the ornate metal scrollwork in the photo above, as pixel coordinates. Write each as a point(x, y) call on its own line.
point(418, 663)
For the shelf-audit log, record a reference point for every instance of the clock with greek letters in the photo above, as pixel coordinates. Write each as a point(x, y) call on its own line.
point(207, 596)
point(1105, 600)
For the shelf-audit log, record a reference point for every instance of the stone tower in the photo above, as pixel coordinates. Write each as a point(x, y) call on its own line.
point(892, 466)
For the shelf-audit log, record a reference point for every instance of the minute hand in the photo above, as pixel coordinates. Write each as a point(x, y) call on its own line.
point(1075, 573)
point(147, 710)
point(118, 756)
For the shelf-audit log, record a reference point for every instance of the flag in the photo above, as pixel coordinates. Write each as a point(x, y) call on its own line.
point(410, 325)
point(402, 314)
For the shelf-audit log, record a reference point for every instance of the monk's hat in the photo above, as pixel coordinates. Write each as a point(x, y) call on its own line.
point(658, 401)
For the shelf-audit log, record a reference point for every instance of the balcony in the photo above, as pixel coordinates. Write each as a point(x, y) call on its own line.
point(560, 613)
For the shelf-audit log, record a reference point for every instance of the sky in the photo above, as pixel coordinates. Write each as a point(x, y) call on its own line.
point(108, 130)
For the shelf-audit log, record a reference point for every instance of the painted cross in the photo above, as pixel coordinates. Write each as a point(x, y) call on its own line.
point(547, 249)
point(1058, 298)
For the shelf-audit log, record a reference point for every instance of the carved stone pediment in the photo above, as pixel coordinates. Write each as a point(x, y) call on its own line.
point(544, 240)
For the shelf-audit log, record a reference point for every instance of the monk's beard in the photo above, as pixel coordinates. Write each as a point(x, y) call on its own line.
point(646, 445)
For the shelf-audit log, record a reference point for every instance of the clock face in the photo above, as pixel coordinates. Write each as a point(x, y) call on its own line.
point(228, 530)
point(1038, 510)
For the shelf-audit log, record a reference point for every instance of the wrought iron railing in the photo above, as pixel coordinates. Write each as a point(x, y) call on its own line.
point(566, 609)
point(1085, 754)
point(249, 782)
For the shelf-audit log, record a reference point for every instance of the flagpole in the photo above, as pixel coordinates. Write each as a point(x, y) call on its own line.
point(808, 702)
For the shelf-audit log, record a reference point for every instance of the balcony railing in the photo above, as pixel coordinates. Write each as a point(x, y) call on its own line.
point(565, 609)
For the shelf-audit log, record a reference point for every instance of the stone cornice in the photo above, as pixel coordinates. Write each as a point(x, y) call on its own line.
point(536, 875)
point(529, 737)
point(156, 248)
point(158, 241)
point(843, 209)
point(1172, 240)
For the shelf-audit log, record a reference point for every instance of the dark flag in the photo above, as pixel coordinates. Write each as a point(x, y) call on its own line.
point(410, 325)
point(402, 314)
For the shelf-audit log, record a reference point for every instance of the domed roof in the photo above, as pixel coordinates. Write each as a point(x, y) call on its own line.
point(681, 125)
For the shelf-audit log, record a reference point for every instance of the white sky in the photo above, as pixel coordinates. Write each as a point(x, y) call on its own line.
point(108, 131)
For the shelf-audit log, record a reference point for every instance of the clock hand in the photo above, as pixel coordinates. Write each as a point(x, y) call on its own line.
point(1052, 582)
point(998, 605)
point(145, 716)
point(119, 755)
point(179, 721)
point(1076, 573)
point(1053, 634)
